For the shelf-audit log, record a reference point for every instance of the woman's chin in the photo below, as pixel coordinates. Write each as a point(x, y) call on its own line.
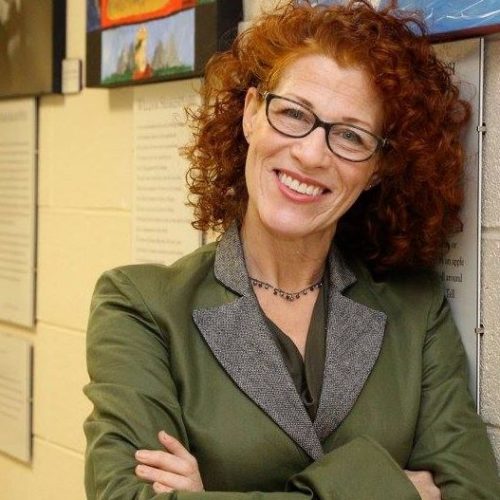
point(294, 229)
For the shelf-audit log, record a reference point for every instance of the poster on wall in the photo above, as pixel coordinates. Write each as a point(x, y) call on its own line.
point(130, 42)
point(18, 129)
point(161, 221)
point(460, 267)
point(450, 19)
point(16, 392)
point(32, 46)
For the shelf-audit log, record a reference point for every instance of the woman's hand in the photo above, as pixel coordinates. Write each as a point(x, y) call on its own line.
point(174, 469)
point(424, 483)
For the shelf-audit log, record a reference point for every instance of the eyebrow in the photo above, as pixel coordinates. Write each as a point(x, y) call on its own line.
point(344, 119)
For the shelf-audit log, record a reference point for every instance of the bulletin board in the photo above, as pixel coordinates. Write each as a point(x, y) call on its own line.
point(130, 42)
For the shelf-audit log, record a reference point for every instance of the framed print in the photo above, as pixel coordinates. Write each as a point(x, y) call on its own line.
point(451, 19)
point(32, 46)
point(456, 19)
point(130, 42)
point(116, 12)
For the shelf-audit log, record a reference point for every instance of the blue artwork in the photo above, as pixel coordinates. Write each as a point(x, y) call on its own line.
point(153, 49)
point(455, 18)
point(443, 16)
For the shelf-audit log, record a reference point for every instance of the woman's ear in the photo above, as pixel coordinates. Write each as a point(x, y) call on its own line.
point(250, 111)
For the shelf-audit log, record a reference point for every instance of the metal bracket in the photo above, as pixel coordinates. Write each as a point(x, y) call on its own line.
point(480, 330)
point(482, 129)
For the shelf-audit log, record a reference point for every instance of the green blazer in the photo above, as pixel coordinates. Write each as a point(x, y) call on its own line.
point(185, 348)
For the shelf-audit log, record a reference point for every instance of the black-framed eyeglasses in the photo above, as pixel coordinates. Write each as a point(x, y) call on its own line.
point(345, 140)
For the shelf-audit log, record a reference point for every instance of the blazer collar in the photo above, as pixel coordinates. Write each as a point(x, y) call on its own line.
point(239, 338)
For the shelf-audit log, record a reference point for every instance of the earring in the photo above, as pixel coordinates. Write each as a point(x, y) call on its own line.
point(372, 185)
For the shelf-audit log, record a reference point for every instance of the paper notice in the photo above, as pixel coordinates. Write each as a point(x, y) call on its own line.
point(459, 268)
point(161, 221)
point(15, 396)
point(17, 210)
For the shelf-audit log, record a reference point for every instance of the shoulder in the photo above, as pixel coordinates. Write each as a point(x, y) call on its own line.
point(189, 266)
point(418, 291)
point(154, 283)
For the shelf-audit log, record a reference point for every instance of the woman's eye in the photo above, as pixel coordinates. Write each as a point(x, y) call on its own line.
point(296, 114)
point(350, 136)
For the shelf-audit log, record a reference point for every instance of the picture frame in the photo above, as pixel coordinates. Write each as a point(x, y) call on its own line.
point(128, 44)
point(449, 20)
point(32, 47)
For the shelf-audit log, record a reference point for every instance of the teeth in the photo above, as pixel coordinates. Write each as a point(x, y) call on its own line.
point(300, 187)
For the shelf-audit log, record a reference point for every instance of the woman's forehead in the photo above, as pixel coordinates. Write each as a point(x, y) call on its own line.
point(322, 84)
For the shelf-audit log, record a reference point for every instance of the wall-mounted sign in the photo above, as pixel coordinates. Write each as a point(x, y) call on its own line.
point(162, 231)
point(18, 126)
point(15, 396)
point(460, 267)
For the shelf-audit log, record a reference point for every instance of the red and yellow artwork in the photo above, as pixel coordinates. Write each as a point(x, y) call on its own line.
point(117, 12)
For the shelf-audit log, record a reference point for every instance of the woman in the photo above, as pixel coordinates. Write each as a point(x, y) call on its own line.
point(308, 354)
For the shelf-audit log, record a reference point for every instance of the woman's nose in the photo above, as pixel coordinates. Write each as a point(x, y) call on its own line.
point(312, 150)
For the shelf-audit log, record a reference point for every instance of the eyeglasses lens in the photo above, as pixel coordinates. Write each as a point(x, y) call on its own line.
point(295, 120)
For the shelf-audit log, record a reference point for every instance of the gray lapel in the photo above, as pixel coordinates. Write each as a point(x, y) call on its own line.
point(353, 341)
point(240, 340)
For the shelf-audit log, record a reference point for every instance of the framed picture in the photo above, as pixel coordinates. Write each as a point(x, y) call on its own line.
point(455, 19)
point(32, 46)
point(130, 42)
point(451, 19)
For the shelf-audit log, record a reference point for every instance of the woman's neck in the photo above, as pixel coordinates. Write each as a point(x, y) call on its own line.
point(288, 263)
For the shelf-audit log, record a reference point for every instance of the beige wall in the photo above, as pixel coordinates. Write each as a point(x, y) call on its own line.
point(85, 185)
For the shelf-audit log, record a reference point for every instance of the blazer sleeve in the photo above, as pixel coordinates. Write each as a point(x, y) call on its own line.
point(451, 439)
point(134, 396)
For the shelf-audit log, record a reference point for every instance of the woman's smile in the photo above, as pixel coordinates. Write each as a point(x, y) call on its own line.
point(297, 188)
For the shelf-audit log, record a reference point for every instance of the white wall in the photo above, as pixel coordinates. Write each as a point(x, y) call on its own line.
point(85, 187)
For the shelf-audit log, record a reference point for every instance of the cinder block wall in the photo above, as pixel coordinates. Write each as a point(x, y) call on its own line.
point(85, 186)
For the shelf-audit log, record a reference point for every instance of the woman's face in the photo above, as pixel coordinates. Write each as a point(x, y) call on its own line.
point(279, 168)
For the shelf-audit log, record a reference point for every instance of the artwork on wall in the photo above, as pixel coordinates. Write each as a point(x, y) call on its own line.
point(451, 19)
point(130, 42)
point(455, 19)
point(32, 46)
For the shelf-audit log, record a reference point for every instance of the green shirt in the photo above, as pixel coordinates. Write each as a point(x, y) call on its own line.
point(307, 372)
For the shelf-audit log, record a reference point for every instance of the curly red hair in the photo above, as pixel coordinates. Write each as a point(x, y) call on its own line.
point(405, 220)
